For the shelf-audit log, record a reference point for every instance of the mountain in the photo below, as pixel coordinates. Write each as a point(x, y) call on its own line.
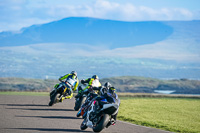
point(113, 34)
point(108, 48)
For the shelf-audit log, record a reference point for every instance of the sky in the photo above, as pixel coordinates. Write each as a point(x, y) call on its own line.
point(16, 14)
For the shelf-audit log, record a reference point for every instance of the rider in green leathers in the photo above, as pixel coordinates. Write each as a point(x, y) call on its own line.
point(71, 76)
point(92, 82)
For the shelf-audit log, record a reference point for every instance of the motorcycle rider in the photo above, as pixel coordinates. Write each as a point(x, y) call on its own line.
point(108, 92)
point(73, 76)
point(92, 82)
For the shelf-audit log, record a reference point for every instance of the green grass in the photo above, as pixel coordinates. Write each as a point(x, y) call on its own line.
point(24, 93)
point(171, 114)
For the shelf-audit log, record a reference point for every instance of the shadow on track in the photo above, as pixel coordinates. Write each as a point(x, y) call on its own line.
point(37, 105)
point(53, 117)
point(51, 129)
point(48, 109)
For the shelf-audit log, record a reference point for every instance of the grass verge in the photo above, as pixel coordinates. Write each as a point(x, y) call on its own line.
point(171, 114)
point(24, 93)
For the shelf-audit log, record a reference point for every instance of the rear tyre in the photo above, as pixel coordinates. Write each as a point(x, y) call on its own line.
point(102, 123)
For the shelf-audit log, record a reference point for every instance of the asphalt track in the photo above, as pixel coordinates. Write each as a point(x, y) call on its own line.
point(30, 114)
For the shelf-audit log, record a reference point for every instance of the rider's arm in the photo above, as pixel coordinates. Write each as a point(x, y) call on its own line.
point(64, 77)
point(85, 81)
point(97, 88)
point(76, 85)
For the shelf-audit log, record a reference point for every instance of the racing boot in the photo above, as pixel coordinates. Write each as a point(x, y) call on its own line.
point(70, 96)
point(113, 121)
point(61, 100)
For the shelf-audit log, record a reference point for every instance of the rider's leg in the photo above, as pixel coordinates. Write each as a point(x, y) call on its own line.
point(114, 119)
point(62, 98)
point(70, 94)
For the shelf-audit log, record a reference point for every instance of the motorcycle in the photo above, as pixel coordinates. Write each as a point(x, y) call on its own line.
point(80, 99)
point(84, 107)
point(99, 114)
point(61, 90)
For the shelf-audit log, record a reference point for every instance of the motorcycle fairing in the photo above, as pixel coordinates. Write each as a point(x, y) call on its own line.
point(110, 108)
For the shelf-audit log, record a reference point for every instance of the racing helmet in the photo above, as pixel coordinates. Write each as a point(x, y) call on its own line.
point(74, 73)
point(95, 77)
point(103, 90)
point(107, 85)
point(111, 90)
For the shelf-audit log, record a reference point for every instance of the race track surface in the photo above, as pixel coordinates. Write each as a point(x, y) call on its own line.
point(30, 114)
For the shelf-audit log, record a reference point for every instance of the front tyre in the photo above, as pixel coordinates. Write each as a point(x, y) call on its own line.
point(79, 113)
point(83, 125)
point(78, 103)
point(102, 123)
point(53, 91)
point(53, 98)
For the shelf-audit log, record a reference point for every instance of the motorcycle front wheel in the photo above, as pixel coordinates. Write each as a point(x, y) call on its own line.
point(102, 123)
point(78, 103)
point(83, 125)
point(53, 98)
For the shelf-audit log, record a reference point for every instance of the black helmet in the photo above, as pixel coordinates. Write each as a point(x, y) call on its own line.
point(107, 85)
point(74, 73)
point(111, 90)
point(95, 77)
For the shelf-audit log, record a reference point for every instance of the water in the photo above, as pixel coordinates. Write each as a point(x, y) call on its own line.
point(164, 91)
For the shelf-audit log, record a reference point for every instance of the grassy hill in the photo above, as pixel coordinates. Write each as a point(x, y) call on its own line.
point(122, 84)
point(149, 85)
point(22, 84)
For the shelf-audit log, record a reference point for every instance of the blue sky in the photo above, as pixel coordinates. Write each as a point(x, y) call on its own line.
point(16, 14)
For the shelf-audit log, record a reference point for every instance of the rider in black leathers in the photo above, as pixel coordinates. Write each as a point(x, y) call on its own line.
point(108, 92)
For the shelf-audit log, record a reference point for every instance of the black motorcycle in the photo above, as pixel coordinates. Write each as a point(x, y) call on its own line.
point(84, 107)
point(100, 113)
point(61, 90)
point(80, 98)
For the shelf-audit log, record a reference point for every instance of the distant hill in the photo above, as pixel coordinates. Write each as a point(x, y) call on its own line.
point(122, 84)
point(22, 84)
point(113, 34)
point(150, 85)
point(108, 48)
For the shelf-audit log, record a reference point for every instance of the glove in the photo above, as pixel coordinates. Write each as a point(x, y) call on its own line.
point(86, 90)
point(90, 89)
point(80, 91)
point(82, 81)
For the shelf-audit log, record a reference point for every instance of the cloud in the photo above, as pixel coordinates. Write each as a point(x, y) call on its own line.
point(15, 14)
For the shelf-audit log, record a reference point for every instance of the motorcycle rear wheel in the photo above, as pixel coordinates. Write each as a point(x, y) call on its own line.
point(102, 123)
